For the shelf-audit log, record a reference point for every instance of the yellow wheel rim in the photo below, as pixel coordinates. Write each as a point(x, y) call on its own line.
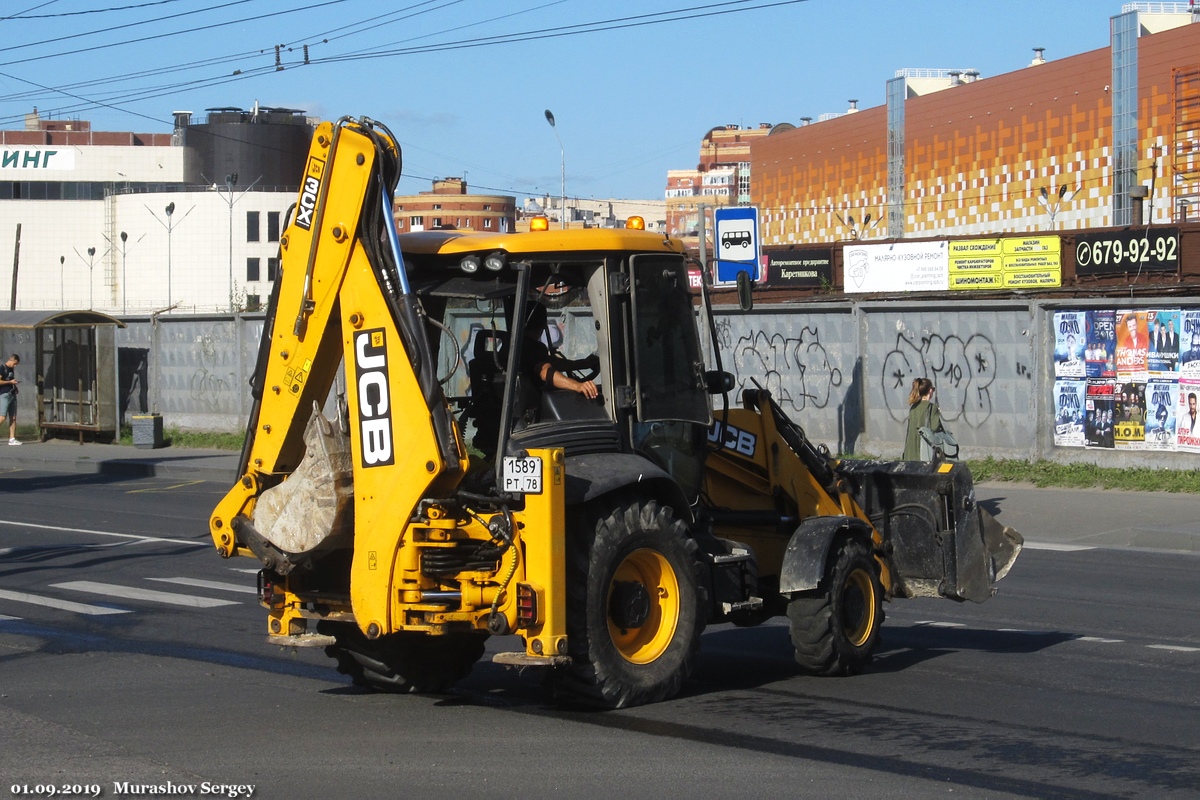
point(858, 607)
point(648, 641)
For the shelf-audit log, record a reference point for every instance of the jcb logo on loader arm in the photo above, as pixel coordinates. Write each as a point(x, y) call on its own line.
point(731, 438)
point(309, 193)
point(374, 402)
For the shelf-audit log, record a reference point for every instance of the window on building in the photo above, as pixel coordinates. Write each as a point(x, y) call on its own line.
point(414, 222)
point(272, 268)
point(252, 269)
point(437, 206)
point(251, 226)
point(272, 226)
point(437, 222)
point(487, 223)
point(487, 207)
point(253, 302)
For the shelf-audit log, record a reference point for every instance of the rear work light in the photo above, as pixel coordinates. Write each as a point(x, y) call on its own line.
point(527, 606)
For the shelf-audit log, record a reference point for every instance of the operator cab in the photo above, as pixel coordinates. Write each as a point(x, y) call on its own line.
point(597, 310)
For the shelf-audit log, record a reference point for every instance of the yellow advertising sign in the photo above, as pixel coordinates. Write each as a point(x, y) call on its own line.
point(1005, 263)
point(1027, 280)
point(982, 280)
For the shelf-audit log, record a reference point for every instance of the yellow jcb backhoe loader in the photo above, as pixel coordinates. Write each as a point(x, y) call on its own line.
point(466, 487)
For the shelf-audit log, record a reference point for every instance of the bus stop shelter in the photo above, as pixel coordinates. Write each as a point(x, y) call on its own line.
point(73, 355)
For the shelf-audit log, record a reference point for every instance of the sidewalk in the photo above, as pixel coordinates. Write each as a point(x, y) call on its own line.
point(61, 455)
point(1055, 518)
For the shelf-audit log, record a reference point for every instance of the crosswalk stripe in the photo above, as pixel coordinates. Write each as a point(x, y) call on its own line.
point(5, 618)
point(134, 537)
point(62, 605)
point(201, 584)
point(1176, 648)
point(134, 593)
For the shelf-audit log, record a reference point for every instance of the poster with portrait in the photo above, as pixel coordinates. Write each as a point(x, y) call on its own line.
point(1101, 335)
point(1187, 417)
point(1069, 341)
point(1162, 360)
point(1129, 410)
point(1162, 399)
point(1189, 343)
point(1069, 401)
point(1098, 417)
point(1132, 345)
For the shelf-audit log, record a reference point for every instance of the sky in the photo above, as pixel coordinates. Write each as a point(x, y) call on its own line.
point(634, 85)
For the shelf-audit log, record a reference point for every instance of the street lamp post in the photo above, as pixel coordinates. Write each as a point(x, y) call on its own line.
point(170, 209)
point(124, 279)
point(1054, 205)
point(91, 283)
point(62, 292)
point(230, 182)
point(563, 196)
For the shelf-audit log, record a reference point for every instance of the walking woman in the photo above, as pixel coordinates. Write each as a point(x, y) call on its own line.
point(922, 413)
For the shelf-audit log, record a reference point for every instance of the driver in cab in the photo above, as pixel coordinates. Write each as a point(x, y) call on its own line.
point(536, 361)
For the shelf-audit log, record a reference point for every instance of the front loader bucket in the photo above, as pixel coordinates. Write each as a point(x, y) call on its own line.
point(941, 543)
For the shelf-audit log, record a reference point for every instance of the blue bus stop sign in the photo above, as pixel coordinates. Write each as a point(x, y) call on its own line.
point(736, 244)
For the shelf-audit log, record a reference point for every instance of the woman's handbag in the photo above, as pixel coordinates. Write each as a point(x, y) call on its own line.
point(939, 443)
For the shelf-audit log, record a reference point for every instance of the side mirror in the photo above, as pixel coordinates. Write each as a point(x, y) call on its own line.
point(745, 287)
point(718, 382)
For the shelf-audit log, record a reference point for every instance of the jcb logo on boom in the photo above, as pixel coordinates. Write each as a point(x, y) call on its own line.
point(374, 402)
point(735, 439)
point(309, 193)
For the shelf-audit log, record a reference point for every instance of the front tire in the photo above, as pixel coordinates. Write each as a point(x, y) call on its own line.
point(404, 662)
point(633, 607)
point(835, 630)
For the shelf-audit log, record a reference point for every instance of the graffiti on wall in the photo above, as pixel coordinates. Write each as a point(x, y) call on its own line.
point(798, 371)
point(962, 371)
point(210, 386)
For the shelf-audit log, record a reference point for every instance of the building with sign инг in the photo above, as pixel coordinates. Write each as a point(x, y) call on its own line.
point(131, 223)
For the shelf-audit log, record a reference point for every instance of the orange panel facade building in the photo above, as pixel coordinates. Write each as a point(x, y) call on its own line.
point(1080, 142)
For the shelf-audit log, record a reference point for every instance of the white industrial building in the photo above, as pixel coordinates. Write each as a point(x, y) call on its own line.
point(140, 223)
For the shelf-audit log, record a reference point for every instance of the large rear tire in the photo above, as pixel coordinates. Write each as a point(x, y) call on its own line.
point(633, 607)
point(836, 628)
point(403, 662)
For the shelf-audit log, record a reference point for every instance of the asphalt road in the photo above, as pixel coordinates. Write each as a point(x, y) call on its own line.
point(130, 653)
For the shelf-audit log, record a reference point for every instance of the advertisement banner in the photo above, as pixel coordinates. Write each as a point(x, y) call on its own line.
point(1162, 400)
point(1069, 342)
point(1127, 251)
point(1132, 345)
point(1005, 263)
point(1129, 408)
point(1163, 357)
point(1189, 343)
point(1101, 344)
point(897, 267)
point(1098, 422)
point(1187, 418)
point(1069, 398)
point(799, 267)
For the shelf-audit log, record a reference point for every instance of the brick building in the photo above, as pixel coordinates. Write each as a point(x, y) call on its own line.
point(448, 205)
point(721, 177)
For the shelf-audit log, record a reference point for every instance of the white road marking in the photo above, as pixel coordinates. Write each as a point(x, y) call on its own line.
point(1061, 548)
point(133, 593)
point(251, 571)
point(62, 605)
point(6, 618)
point(1176, 648)
point(1098, 640)
point(1021, 630)
point(933, 624)
point(224, 587)
point(104, 533)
